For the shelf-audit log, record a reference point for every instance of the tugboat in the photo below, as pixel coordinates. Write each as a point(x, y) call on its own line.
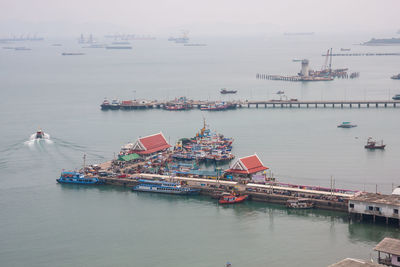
point(372, 144)
point(299, 203)
point(224, 91)
point(164, 187)
point(71, 177)
point(346, 124)
point(232, 199)
point(39, 134)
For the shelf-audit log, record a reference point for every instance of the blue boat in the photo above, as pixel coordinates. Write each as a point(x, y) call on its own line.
point(163, 187)
point(77, 178)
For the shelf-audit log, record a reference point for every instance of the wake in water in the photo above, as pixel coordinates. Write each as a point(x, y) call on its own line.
point(38, 138)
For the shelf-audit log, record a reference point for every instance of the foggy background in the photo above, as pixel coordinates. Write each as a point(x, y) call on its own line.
point(206, 17)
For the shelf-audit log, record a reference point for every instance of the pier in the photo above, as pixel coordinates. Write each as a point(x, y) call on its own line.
point(289, 103)
point(323, 104)
point(270, 193)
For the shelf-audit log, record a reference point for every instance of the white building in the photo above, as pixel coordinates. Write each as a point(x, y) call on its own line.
point(375, 206)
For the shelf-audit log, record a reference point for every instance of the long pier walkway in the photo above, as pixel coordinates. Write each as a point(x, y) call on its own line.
point(323, 104)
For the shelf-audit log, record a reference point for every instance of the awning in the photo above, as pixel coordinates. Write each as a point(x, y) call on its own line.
point(128, 157)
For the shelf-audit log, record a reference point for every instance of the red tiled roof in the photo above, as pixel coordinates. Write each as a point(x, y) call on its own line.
point(152, 144)
point(252, 164)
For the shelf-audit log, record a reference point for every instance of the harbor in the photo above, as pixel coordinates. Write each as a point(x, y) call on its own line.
point(151, 164)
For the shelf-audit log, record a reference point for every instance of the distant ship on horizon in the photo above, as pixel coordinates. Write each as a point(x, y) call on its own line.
point(299, 33)
point(385, 41)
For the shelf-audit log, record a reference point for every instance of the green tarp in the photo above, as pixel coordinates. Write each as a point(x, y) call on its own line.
point(128, 157)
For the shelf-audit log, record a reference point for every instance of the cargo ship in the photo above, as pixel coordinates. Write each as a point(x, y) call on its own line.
point(378, 42)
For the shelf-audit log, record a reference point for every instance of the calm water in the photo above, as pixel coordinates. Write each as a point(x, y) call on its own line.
point(46, 224)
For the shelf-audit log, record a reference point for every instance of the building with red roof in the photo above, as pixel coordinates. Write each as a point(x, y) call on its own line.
point(150, 144)
point(247, 167)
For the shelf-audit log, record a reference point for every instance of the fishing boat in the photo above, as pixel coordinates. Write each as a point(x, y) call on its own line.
point(39, 134)
point(72, 177)
point(232, 199)
point(346, 124)
point(396, 77)
point(299, 203)
point(396, 97)
point(105, 105)
point(280, 92)
point(115, 104)
point(163, 187)
point(224, 91)
point(372, 144)
point(72, 54)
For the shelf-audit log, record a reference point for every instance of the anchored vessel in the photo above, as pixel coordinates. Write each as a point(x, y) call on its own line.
point(396, 97)
point(346, 124)
point(372, 144)
point(163, 187)
point(70, 177)
point(224, 91)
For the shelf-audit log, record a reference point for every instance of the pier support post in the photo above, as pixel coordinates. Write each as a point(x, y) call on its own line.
point(385, 105)
point(307, 105)
point(256, 105)
point(265, 105)
point(350, 105)
point(248, 105)
point(359, 105)
point(324, 105)
point(281, 105)
point(273, 105)
point(394, 105)
point(374, 218)
point(367, 105)
point(316, 105)
point(376, 104)
point(333, 105)
point(290, 105)
point(341, 105)
point(299, 105)
point(387, 220)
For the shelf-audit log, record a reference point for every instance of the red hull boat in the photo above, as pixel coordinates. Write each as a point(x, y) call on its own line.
point(231, 199)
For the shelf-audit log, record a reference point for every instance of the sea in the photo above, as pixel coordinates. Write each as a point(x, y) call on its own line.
point(47, 224)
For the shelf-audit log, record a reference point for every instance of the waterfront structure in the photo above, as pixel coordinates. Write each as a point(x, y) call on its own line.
point(150, 144)
point(354, 263)
point(391, 247)
point(304, 68)
point(247, 168)
point(375, 206)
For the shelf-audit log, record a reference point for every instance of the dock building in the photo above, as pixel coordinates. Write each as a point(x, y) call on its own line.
point(375, 206)
point(355, 263)
point(247, 169)
point(391, 249)
point(151, 144)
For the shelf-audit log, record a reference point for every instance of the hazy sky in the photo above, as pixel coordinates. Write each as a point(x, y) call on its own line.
point(213, 16)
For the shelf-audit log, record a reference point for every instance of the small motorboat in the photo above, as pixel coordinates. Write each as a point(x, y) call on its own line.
point(232, 199)
point(280, 92)
point(396, 97)
point(224, 91)
point(346, 124)
point(372, 144)
point(39, 134)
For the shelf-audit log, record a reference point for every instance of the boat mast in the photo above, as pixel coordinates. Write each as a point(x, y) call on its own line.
point(84, 162)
